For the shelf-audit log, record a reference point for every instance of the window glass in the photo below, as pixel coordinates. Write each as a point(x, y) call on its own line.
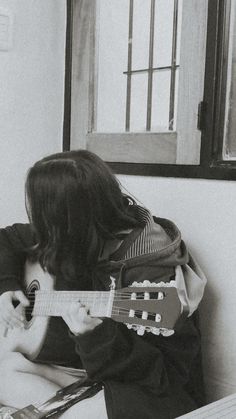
point(137, 61)
point(112, 23)
point(140, 33)
point(229, 148)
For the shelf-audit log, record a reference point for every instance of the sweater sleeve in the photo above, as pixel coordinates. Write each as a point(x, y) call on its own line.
point(14, 242)
point(112, 352)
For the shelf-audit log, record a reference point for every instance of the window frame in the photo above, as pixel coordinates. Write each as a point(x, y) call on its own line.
point(220, 87)
point(210, 114)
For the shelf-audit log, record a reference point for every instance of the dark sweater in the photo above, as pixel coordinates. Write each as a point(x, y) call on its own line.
point(144, 376)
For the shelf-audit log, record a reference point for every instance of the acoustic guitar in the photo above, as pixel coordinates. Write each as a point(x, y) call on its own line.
point(144, 307)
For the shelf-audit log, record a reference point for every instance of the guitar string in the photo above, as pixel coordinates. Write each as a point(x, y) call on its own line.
point(91, 299)
point(114, 308)
point(92, 304)
point(68, 293)
point(117, 307)
point(31, 296)
point(125, 313)
point(116, 311)
point(119, 292)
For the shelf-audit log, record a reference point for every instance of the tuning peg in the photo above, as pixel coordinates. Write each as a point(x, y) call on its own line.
point(167, 332)
point(136, 284)
point(160, 295)
point(158, 318)
point(147, 283)
point(148, 329)
point(155, 330)
point(132, 326)
point(140, 330)
point(131, 313)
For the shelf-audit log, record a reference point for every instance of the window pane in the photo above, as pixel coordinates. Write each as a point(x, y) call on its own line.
point(112, 51)
point(229, 149)
point(163, 33)
point(134, 38)
point(160, 101)
point(141, 30)
point(138, 103)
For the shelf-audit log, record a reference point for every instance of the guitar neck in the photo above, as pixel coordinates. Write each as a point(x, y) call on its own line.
point(54, 303)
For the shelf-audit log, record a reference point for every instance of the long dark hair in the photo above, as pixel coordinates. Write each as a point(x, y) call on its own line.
point(74, 203)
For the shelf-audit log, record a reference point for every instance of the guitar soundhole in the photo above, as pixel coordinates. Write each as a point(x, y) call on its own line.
point(34, 286)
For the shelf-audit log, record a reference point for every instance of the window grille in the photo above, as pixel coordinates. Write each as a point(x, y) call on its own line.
point(151, 69)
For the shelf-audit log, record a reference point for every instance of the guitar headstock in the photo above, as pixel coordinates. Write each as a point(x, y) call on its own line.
point(148, 307)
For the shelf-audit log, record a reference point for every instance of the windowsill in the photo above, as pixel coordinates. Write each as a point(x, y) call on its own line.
point(147, 148)
point(173, 170)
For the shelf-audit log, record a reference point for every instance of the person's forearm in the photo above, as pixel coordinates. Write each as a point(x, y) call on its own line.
point(113, 352)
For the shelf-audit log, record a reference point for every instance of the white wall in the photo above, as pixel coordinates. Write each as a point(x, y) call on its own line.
point(204, 210)
point(31, 96)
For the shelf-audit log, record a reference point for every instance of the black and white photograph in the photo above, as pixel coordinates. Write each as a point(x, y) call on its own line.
point(117, 228)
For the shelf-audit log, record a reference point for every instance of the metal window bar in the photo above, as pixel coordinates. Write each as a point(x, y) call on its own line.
point(143, 70)
point(129, 66)
point(173, 67)
point(150, 67)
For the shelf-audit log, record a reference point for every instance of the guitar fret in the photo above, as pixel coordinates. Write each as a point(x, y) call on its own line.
point(53, 303)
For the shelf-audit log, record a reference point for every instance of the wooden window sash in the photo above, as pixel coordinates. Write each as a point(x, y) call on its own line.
point(181, 147)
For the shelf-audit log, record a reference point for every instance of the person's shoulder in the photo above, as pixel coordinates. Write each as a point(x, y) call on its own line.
point(161, 230)
point(18, 228)
point(157, 234)
point(18, 233)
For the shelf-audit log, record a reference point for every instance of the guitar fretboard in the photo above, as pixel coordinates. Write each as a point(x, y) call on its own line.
point(54, 303)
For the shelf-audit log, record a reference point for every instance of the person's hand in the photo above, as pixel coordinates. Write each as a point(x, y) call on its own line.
point(11, 317)
point(78, 319)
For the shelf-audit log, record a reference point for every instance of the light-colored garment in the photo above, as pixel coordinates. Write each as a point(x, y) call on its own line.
point(91, 408)
point(191, 283)
point(5, 412)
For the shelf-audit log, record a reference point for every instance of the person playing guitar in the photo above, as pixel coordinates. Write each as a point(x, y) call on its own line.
point(86, 235)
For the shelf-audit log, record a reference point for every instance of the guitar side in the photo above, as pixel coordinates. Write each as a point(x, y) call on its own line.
point(28, 340)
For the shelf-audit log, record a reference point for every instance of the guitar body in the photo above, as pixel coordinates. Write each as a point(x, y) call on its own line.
point(30, 339)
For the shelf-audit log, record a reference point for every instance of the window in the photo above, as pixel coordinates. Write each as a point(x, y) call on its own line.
point(218, 158)
point(229, 138)
point(225, 91)
point(151, 85)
